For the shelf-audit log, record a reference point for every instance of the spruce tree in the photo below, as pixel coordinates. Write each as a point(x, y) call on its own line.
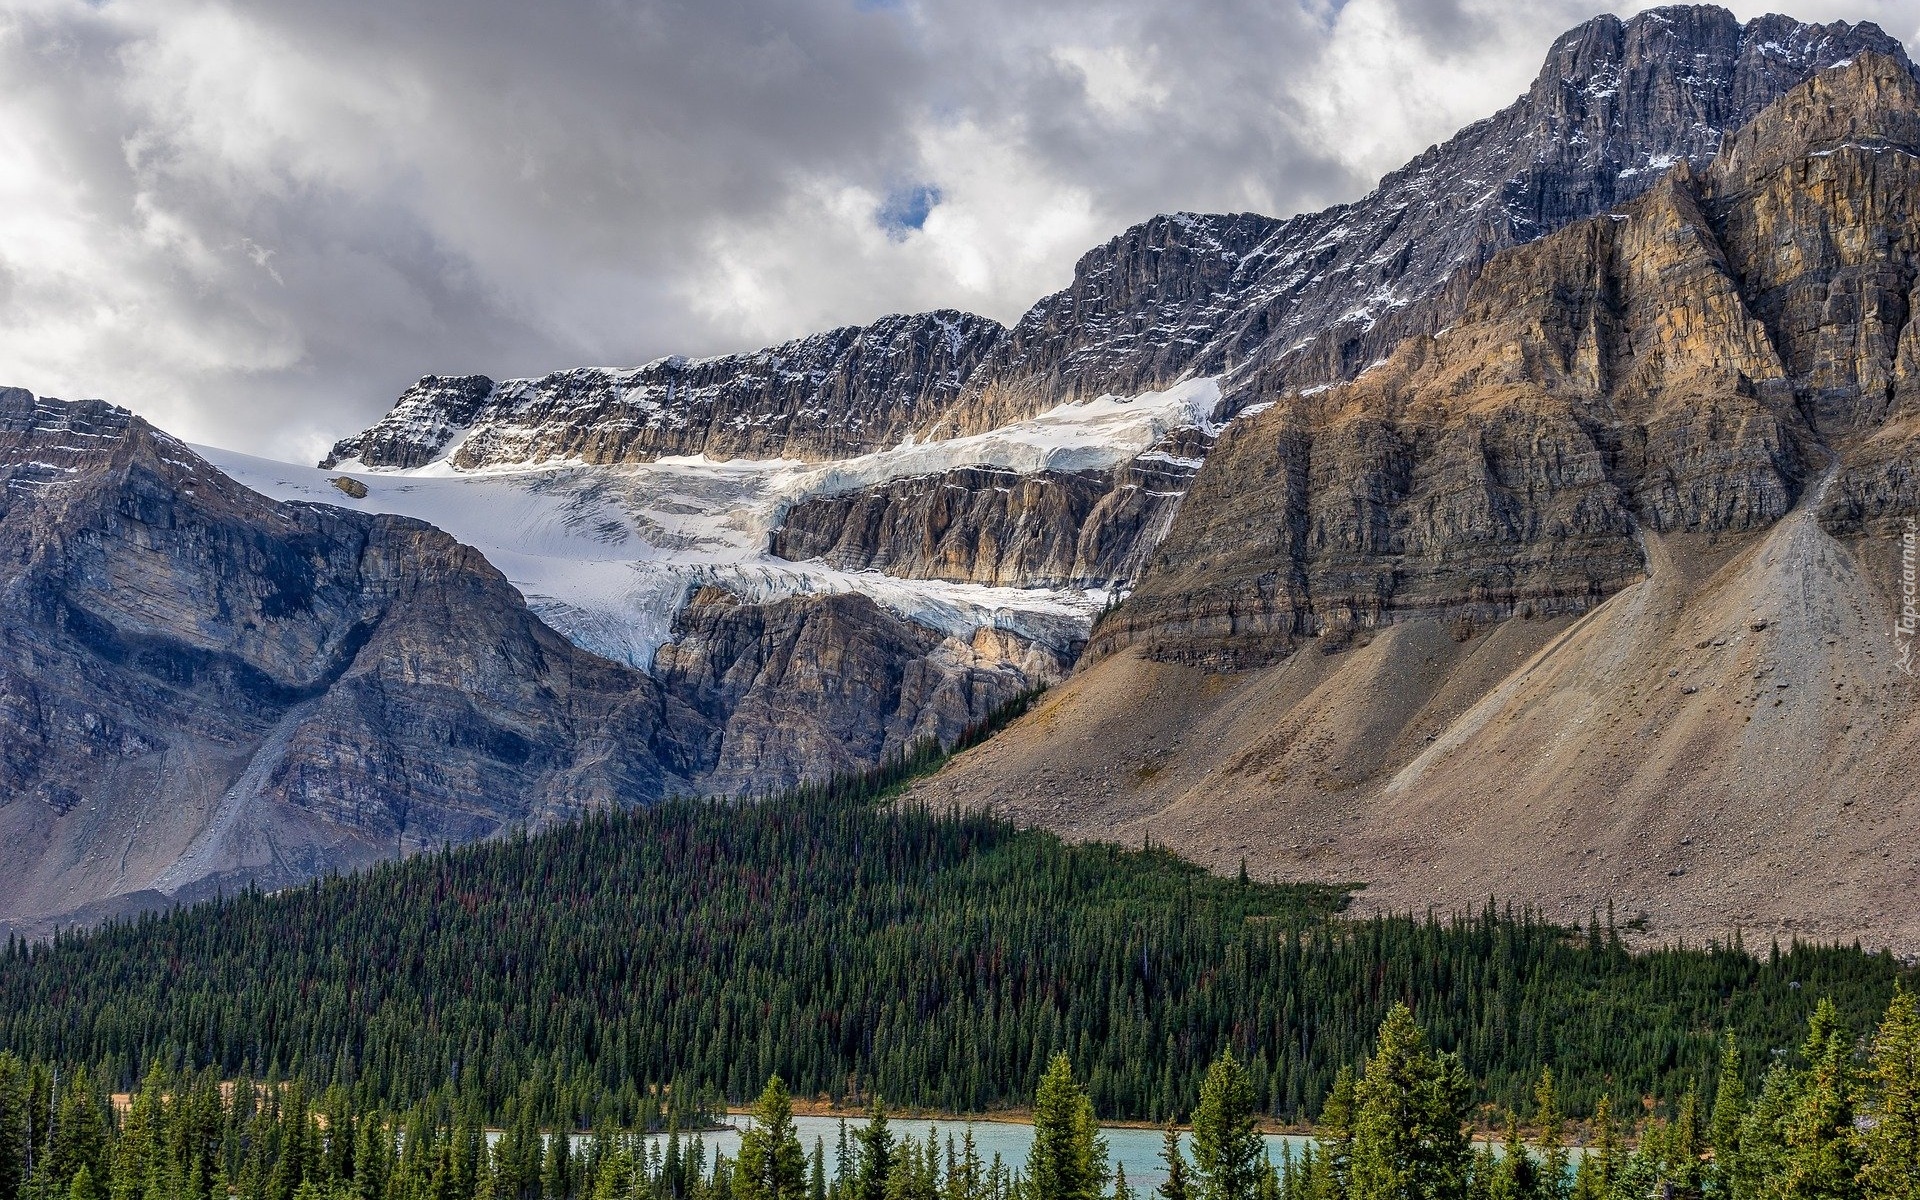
point(556, 1178)
point(1177, 1185)
point(1762, 1161)
point(1555, 1173)
point(1723, 1126)
point(1514, 1177)
point(79, 1137)
point(1484, 1175)
point(846, 1168)
point(772, 1165)
point(875, 1154)
point(1889, 1146)
point(1681, 1163)
point(13, 1126)
point(1266, 1180)
point(1226, 1146)
point(1336, 1131)
point(1822, 1160)
point(1410, 1105)
point(967, 1179)
point(1068, 1157)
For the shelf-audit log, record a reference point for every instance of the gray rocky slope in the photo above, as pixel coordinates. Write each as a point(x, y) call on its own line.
point(756, 693)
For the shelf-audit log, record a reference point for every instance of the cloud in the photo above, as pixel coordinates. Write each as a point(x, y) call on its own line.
point(256, 223)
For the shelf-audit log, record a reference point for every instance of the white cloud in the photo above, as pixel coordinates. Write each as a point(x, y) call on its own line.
point(256, 223)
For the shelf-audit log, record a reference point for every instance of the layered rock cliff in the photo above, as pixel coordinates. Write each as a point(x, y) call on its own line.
point(1005, 528)
point(1675, 365)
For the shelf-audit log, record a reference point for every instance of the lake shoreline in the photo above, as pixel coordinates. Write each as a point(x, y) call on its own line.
point(998, 1116)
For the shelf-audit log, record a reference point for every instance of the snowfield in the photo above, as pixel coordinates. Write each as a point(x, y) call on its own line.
point(608, 555)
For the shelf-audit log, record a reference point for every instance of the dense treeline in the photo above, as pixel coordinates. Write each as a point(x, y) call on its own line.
point(938, 959)
point(1839, 1122)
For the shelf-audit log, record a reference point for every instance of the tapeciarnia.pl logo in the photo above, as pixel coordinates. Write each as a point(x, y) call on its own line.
point(1909, 623)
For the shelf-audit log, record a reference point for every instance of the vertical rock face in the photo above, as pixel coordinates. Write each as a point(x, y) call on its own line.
point(197, 683)
point(810, 686)
point(1053, 529)
point(1672, 366)
point(1315, 299)
point(848, 391)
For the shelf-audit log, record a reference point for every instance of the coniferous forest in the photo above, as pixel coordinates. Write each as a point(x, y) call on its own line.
point(583, 975)
point(1839, 1122)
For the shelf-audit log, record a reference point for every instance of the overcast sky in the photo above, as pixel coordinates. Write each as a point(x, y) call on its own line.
point(256, 223)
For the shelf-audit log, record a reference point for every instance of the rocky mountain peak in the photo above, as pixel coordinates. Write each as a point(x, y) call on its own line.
point(1319, 297)
point(844, 392)
point(1870, 102)
point(1685, 363)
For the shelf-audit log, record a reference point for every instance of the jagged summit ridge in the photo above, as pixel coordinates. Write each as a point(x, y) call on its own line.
point(837, 394)
point(1272, 304)
point(1278, 305)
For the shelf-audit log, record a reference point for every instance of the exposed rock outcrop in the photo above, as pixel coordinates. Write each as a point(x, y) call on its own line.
point(1667, 367)
point(814, 686)
point(1054, 529)
point(848, 391)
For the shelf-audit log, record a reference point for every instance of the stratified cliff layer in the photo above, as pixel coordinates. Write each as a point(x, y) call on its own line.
point(1675, 365)
point(1050, 529)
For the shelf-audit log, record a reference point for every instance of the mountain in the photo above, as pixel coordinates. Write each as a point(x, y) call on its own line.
point(1595, 347)
point(1285, 304)
point(1585, 599)
point(1047, 461)
point(833, 395)
point(201, 685)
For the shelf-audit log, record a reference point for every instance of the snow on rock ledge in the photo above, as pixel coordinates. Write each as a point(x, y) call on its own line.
point(609, 554)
